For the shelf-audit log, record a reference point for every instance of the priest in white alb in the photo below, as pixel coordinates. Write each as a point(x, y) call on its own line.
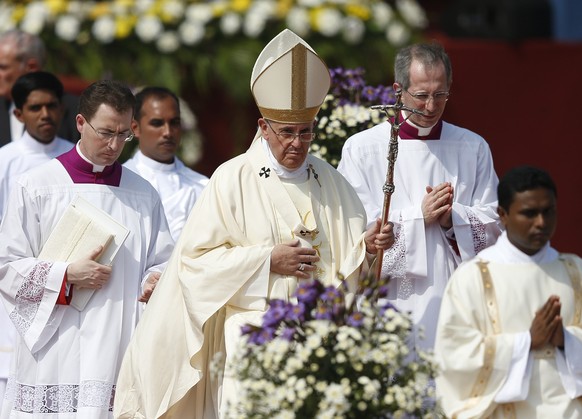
point(267, 219)
point(67, 359)
point(444, 205)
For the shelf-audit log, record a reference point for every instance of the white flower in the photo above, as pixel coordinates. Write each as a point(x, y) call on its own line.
point(35, 18)
point(230, 23)
point(382, 14)
point(397, 34)
point(199, 12)
point(298, 21)
point(191, 32)
point(310, 3)
point(67, 27)
point(353, 30)
point(412, 13)
point(253, 24)
point(104, 29)
point(142, 6)
point(174, 8)
point(6, 22)
point(329, 21)
point(168, 42)
point(148, 28)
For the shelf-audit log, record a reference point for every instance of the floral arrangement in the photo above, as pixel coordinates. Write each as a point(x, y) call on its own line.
point(324, 357)
point(171, 40)
point(346, 111)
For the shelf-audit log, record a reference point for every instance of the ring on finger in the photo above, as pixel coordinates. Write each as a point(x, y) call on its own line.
point(301, 267)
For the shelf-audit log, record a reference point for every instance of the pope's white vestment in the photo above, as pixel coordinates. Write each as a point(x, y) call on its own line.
point(15, 158)
point(178, 186)
point(219, 273)
point(66, 361)
point(487, 369)
point(423, 257)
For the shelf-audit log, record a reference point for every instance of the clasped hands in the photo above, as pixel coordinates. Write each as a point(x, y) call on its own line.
point(437, 205)
point(547, 326)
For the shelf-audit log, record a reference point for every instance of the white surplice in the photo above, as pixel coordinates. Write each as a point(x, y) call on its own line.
point(19, 156)
point(219, 277)
point(66, 362)
point(422, 258)
point(483, 340)
point(178, 186)
point(16, 158)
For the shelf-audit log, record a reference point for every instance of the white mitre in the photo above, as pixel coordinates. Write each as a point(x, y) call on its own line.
point(289, 81)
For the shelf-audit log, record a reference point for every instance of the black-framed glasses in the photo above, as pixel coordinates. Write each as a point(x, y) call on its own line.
point(437, 97)
point(287, 137)
point(108, 136)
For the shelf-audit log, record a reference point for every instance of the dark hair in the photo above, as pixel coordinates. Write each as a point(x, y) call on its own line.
point(27, 45)
point(155, 92)
point(112, 93)
point(36, 80)
point(521, 179)
point(429, 54)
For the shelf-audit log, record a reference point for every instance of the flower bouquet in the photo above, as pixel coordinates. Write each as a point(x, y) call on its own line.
point(346, 111)
point(323, 357)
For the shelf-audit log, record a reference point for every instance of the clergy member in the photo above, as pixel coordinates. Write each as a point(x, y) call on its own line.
point(267, 219)
point(157, 126)
point(509, 337)
point(67, 359)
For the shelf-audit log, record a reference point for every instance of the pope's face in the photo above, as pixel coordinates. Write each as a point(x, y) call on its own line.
point(289, 153)
point(426, 80)
point(103, 136)
point(531, 219)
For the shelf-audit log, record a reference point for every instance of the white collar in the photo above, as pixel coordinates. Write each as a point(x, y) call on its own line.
point(504, 251)
point(97, 168)
point(422, 131)
point(36, 146)
point(280, 170)
point(154, 165)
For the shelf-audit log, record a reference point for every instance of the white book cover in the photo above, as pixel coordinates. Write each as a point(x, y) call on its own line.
point(81, 229)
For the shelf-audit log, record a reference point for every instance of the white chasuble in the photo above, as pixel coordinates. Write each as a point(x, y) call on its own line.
point(220, 271)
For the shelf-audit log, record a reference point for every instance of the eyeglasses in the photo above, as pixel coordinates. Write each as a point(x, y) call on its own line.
point(108, 136)
point(287, 137)
point(438, 97)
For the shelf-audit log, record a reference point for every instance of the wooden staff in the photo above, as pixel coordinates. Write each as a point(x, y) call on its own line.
point(391, 111)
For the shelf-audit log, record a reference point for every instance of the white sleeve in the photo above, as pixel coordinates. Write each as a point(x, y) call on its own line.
point(569, 363)
point(516, 387)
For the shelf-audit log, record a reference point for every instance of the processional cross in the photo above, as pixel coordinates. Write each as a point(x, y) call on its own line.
point(391, 111)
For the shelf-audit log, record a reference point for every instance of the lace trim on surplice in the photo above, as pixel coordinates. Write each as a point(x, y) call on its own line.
point(394, 263)
point(29, 296)
point(477, 231)
point(61, 398)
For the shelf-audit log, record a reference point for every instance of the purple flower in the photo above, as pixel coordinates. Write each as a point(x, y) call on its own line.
point(276, 313)
point(323, 312)
point(288, 333)
point(356, 319)
point(308, 291)
point(297, 312)
point(262, 336)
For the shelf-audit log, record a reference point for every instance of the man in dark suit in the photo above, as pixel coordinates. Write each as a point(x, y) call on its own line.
point(22, 53)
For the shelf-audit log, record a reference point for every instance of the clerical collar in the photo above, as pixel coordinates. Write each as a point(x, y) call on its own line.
point(280, 170)
point(36, 146)
point(82, 170)
point(153, 164)
point(410, 131)
point(506, 252)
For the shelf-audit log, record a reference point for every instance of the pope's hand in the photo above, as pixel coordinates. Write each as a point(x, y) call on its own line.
point(87, 273)
point(291, 259)
point(149, 286)
point(376, 239)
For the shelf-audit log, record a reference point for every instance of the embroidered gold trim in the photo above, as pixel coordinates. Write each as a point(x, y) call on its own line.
point(299, 77)
point(574, 274)
point(490, 343)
